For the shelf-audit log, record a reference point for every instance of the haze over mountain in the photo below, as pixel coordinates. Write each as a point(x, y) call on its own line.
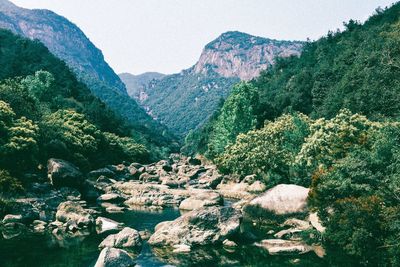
point(136, 84)
point(186, 100)
point(65, 40)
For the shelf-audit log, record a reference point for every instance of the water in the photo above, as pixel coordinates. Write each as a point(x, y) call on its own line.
point(42, 251)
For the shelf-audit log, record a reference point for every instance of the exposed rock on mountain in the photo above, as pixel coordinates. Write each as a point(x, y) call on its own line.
point(65, 40)
point(237, 54)
point(186, 100)
point(62, 37)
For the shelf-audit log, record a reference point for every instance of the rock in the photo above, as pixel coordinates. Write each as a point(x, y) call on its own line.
point(145, 234)
point(229, 244)
point(287, 233)
point(201, 200)
point(257, 187)
point(127, 238)
point(316, 223)
point(10, 218)
point(105, 225)
point(250, 179)
point(101, 172)
point(280, 246)
point(13, 229)
point(181, 248)
point(62, 173)
point(198, 227)
point(283, 199)
point(110, 197)
point(72, 211)
point(26, 209)
point(112, 208)
point(113, 257)
point(298, 224)
point(146, 177)
point(39, 226)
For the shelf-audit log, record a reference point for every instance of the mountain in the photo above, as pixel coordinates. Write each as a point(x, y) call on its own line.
point(237, 54)
point(136, 84)
point(65, 40)
point(186, 100)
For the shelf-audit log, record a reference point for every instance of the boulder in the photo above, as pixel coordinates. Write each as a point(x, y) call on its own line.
point(283, 199)
point(72, 211)
point(198, 227)
point(146, 177)
point(280, 246)
point(62, 173)
point(316, 222)
point(257, 187)
point(113, 257)
point(110, 197)
point(105, 225)
point(201, 200)
point(127, 238)
point(10, 218)
point(101, 172)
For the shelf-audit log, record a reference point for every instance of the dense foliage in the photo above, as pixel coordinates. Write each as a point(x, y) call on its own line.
point(46, 112)
point(346, 146)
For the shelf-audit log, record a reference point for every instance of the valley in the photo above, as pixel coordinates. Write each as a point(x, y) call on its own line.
point(264, 153)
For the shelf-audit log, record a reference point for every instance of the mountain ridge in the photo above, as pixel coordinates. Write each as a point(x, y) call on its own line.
point(184, 101)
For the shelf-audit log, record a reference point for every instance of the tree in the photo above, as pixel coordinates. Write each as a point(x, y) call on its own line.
point(237, 116)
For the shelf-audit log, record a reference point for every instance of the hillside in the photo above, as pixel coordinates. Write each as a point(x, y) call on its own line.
point(186, 100)
point(327, 120)
point(136, 84)
point(65, 40)
point(46, 112)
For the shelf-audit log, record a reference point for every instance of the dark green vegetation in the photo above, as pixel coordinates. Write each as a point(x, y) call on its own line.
point(46, 112)
point(328, 120)
point(65, 40)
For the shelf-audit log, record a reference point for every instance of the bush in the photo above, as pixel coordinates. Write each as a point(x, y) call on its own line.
point(268, 152)
point(8, 184)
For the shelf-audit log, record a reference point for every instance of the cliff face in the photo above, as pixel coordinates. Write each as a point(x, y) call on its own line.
point(186, 100)
point(236, 54)
point(62, 38)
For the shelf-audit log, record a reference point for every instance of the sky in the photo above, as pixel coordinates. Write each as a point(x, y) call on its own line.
point(167, 36)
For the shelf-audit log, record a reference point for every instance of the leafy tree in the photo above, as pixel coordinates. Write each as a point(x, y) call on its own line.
point(237, 116)
point(268, 152)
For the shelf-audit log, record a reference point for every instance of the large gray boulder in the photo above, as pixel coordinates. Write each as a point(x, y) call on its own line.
point(198, 227)
point(280, 246)
point(62, 173)
point(113, 257)
point(127, 238)
point(283, 199)
point(73, 212)
point(201, 200)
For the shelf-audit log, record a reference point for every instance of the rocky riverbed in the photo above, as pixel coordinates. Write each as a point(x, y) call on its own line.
point(198, 221)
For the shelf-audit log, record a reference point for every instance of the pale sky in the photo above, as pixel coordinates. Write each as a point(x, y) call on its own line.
point(168, 35)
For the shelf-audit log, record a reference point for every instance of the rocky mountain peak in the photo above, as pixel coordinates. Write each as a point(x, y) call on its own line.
point(237, 54)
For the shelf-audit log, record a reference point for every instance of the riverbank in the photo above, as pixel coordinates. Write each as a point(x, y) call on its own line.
point(180, 205)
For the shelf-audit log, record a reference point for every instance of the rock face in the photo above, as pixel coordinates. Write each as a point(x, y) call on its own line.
point(232, 57)
point(283, 199)
point(62, 173)
point(127, 238)
point(113, 257)
point(199, 227)
point(72, 212)
point(67, 41)
point(237, 54)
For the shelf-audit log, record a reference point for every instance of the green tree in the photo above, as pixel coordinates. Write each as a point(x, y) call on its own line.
point(237, 116)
